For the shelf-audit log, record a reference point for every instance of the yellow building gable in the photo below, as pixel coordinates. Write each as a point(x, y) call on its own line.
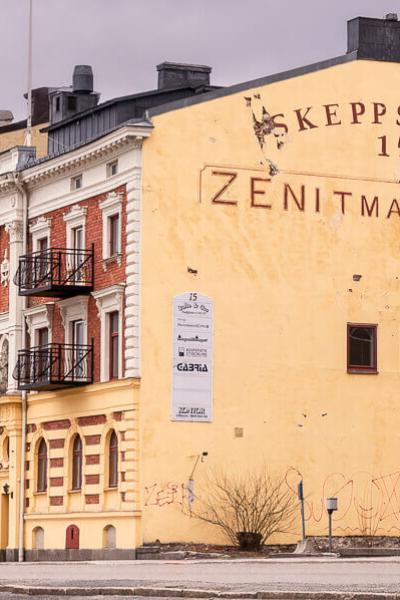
point(279, 201)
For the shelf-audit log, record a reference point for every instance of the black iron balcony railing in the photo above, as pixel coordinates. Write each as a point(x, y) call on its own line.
point(55, 272)
point(54, 366)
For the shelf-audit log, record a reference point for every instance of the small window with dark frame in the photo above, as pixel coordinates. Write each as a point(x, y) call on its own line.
point(113, 235)
point(42, 467)
point(113, 320)
point(77, 463)
point(113, 461)
point(71, 103)
point(361, 348)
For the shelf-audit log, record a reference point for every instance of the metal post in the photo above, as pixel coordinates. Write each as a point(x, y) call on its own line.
point(331, 506)
point(300, 493)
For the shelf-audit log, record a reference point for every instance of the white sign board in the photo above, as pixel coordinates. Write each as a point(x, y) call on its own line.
point(192, 358)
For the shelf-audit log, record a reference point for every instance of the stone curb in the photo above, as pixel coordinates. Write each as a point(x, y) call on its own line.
point(150, 592)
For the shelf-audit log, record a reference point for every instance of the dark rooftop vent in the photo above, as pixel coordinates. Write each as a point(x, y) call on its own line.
point(6, 117)
point(82, 79)
point(374, 39)
point(173, 75)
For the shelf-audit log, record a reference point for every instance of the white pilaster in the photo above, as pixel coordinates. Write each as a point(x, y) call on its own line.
point(133, 264)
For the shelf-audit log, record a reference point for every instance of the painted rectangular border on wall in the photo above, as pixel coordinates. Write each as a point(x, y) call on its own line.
point(192, 358)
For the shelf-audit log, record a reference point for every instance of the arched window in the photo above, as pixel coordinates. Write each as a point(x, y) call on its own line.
point(113, 461)
point(6, 449)
point(38, 538)
point(109, 537)
point(42, 467)
point(77, 463)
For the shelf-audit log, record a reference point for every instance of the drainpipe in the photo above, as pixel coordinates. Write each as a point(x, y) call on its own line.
point(20, 187)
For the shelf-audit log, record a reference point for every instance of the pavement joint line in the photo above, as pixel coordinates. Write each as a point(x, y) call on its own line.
point(196, 594)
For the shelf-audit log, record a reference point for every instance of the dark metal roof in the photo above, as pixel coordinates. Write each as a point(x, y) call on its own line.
point(240, 87)
point(130, 98)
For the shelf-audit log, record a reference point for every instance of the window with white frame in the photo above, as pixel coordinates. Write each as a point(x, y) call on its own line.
point(40, 231)
point(39, 320)
point(112, 168)
point(75, 221)
point(76, 182)
point(110, 310)
point(74, 318)
point(111, 208)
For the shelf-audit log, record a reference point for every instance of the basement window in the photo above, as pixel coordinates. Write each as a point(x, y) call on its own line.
point(361, 348)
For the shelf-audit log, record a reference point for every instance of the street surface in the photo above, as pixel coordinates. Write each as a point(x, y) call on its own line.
point(243, 575)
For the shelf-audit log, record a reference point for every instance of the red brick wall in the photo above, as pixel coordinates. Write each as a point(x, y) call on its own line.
point(3, 249)
point(114, 274)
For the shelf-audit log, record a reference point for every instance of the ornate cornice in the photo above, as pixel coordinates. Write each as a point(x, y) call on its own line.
point(80, 158)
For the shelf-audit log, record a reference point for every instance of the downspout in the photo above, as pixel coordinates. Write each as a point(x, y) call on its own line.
point(24, 398)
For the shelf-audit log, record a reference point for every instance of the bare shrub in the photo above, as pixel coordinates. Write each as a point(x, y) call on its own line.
point(254, 502)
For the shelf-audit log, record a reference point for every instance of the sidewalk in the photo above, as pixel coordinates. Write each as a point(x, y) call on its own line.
point(281, 579)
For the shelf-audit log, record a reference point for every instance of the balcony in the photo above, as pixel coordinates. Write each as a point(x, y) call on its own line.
point(57, 272)
point(54, 366)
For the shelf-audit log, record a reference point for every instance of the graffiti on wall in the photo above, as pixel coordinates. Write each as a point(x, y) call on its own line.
point(368, 504)
point(159, 494)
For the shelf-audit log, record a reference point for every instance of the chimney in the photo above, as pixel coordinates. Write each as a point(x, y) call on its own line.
point(82, 79)
point(375, 39)
point(173, 75)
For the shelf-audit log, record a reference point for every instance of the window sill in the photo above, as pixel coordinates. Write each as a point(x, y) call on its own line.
point(111, 489)
point(75, 491)
point(355, 371)
point(115, 258)
point(44, 493)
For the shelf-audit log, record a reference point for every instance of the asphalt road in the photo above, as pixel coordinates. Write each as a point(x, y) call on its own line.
point(329, 574)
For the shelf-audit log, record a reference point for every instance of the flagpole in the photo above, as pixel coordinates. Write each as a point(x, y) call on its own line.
point(28, 137)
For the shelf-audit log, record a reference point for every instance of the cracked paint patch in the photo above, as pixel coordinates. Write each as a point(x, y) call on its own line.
point(264, 126)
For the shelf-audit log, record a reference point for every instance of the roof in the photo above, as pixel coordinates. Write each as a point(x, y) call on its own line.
point(120, 99)
point(240, 87)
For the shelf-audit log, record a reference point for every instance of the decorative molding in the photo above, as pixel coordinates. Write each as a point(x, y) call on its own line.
point(41, 224)
point(38, 317)
point(133, 270)
point(14, 230)
point(75, 213)
point(5, 270)
point(78, 158)
point(73, 309)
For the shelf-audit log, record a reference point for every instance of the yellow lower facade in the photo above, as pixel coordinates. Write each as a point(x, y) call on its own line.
point(103, 517)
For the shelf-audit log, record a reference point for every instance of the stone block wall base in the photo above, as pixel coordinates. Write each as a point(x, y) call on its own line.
point(84, 554)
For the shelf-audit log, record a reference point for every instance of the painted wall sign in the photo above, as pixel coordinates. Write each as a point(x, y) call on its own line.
point(250, 188)
point(192, 358)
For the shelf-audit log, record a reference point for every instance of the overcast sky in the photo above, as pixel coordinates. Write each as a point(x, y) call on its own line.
point(124, 39)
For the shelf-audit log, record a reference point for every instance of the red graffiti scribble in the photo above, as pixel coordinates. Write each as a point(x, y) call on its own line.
point(160, 495)
point(368, 500)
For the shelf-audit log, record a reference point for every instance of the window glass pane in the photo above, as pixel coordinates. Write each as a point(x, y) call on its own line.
point(114, 344)
point(77, 464)
point(362, 346)
point(42, 467)
point(114, 234)
point(113, 461)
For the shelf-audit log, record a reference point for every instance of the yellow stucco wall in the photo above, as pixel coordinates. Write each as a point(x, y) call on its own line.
point(10, 139)
point(282, 283)
point(57, 416)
